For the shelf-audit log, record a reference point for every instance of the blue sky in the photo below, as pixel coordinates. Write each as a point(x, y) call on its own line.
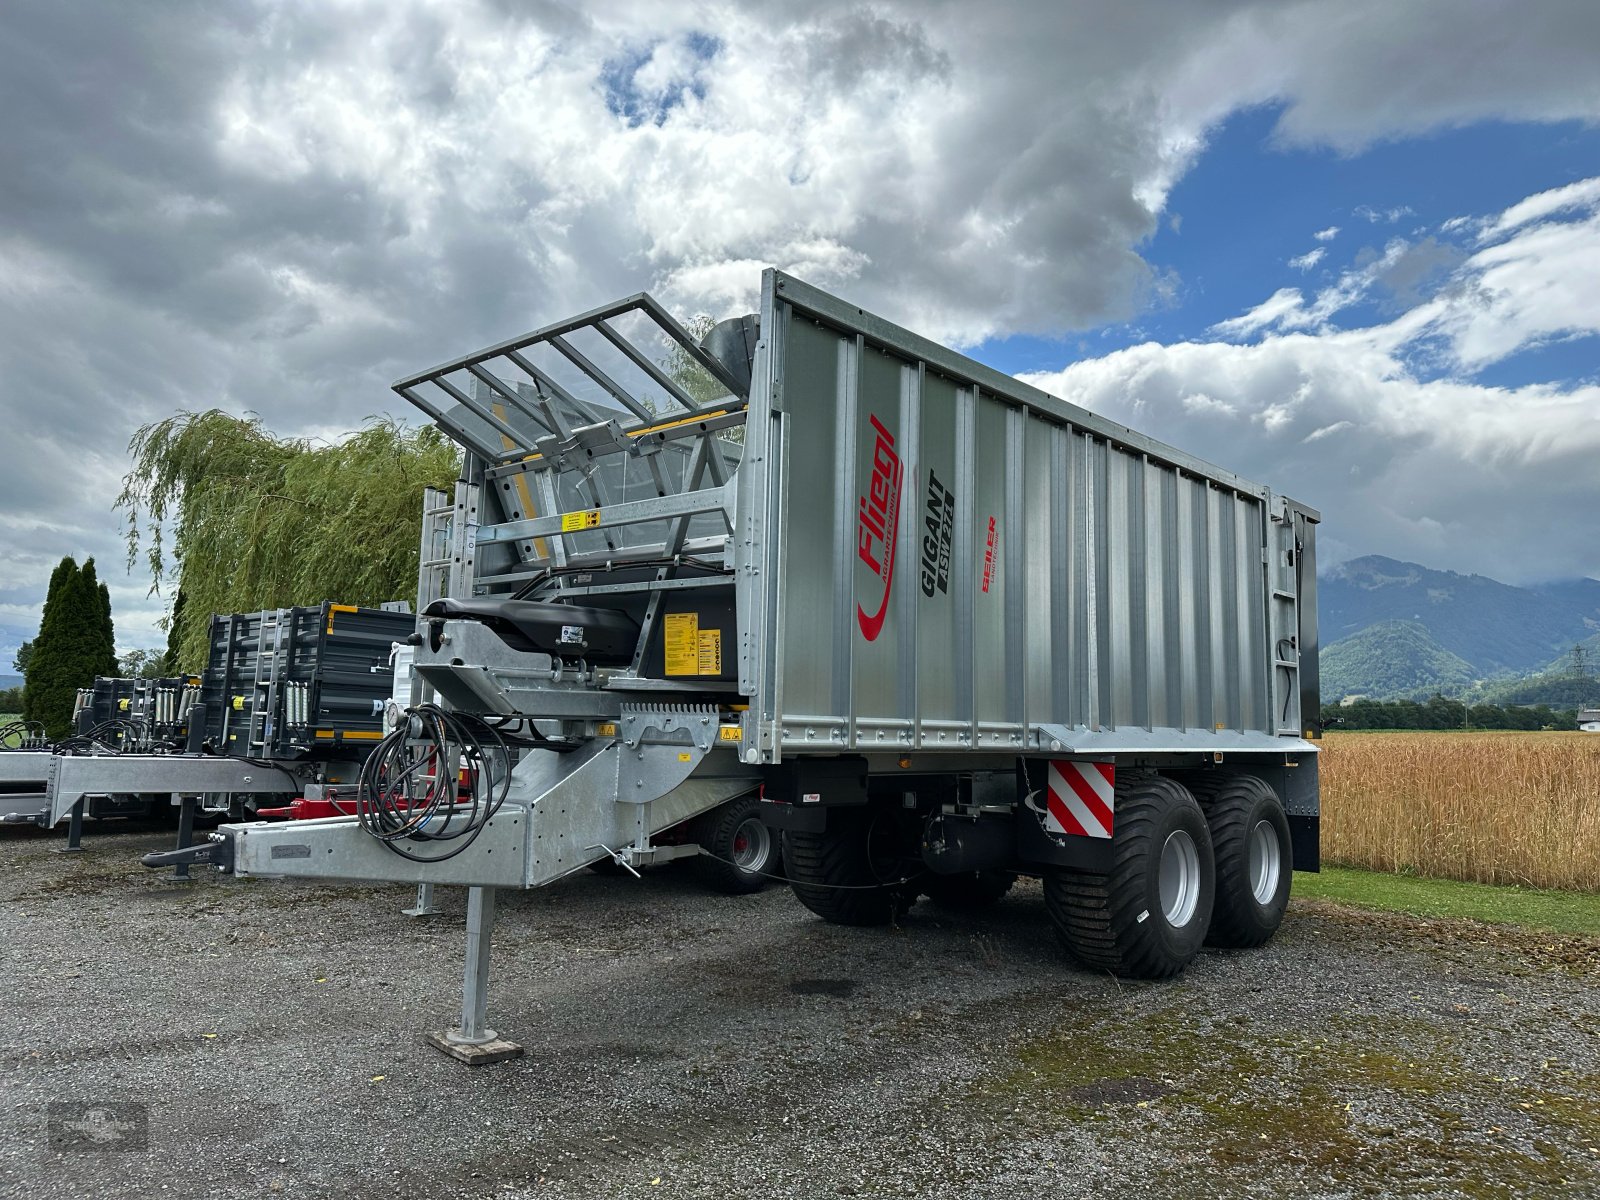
point(1250, 204)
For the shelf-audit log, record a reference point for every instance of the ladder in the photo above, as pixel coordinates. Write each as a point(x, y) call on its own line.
point(1283, 619)
point(439, 572)
point(271, 665)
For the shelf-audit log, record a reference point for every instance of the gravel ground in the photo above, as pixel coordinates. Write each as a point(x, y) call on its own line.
point(685, 1044)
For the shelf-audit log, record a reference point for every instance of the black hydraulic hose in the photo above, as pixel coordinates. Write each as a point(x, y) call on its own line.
point(407, 793)
point(23, 735)
point(521, 731)
point(102, 737)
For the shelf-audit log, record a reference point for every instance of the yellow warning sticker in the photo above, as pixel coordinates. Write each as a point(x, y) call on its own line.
point(580, 520)
point(728, 733)
point(605, 729)
point(682, 640)
point(691, 650)
point(685, 757)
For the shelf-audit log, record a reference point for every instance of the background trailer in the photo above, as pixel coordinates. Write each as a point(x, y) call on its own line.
point(289, 705)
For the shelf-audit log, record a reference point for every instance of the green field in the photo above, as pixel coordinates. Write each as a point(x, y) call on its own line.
point(1563, 912)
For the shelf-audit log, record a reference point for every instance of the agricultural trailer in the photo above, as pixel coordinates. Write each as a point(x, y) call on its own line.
point(111, 716)
point(137, 714)
point(24, 763)
point(950, 627)
point(289, 705)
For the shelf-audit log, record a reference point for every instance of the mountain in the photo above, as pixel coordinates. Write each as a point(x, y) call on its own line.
point(1558, 690)
point(10, 681)
point(1497, 628)
point(1569, 680)
point(1393, 660)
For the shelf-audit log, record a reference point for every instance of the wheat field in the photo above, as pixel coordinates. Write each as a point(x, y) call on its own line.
point(1506, 808)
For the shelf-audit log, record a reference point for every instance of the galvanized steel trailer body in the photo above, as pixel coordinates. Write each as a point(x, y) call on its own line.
point(911, 562)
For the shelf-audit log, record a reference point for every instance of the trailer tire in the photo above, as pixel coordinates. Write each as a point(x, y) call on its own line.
point(969, 890)
point(837, 874)
point(741, 851)
point(1148, 917)
point(1250, 837)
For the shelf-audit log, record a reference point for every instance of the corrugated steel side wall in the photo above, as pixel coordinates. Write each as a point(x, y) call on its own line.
point(1091, 583)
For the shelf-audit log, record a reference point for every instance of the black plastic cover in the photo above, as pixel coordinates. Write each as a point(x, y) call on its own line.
point(604, 637)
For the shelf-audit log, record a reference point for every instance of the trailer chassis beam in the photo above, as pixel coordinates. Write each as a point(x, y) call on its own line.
point(72, 777)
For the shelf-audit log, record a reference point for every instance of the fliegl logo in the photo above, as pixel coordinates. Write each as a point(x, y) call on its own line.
point(878, 523)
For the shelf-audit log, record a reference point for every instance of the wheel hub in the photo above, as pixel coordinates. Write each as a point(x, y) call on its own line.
point(1180, 878)
point(751, 844)
point(1266, 862)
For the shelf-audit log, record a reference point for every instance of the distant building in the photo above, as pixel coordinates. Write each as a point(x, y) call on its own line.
point(1589, 720)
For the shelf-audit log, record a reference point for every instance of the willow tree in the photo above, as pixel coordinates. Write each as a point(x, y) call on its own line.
point(240, 519)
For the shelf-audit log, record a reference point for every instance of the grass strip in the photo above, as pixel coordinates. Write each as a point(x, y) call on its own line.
point(1563, 912)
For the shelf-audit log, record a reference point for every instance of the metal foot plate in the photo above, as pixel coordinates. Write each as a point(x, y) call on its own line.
point(479, 1055)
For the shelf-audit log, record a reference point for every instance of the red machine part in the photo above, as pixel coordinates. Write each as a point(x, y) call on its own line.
point(335, 805)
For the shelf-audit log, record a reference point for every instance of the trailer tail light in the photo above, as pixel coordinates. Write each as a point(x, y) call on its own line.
point(1081, 799)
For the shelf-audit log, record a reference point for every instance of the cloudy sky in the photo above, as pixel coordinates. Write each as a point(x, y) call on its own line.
point(1349, 248)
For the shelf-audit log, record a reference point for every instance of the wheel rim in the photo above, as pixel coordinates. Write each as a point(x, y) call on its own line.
point(752, 842)
point(1180, 878)
point(1266, 862)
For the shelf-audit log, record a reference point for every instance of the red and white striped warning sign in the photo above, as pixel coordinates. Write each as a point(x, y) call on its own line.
point(1081, 798)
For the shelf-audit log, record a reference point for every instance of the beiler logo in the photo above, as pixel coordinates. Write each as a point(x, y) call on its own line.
point(878, 523)
point(988, 555)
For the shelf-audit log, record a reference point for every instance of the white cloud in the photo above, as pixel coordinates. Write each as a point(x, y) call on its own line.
point(1387, 216)
point(1442, 470)
point(1535, 285)
point(1439, 472)
point(1583, 194)
point(1326, 235)
point(1285, 307)
point(1304, 262)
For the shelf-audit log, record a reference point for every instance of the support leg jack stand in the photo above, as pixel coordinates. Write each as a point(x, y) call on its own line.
point(74, 832)
point(474, 1043)
point(424, 905)
point(186, 807)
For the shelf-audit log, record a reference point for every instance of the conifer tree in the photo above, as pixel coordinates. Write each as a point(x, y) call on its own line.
point(105, 634)
point(68, 652)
